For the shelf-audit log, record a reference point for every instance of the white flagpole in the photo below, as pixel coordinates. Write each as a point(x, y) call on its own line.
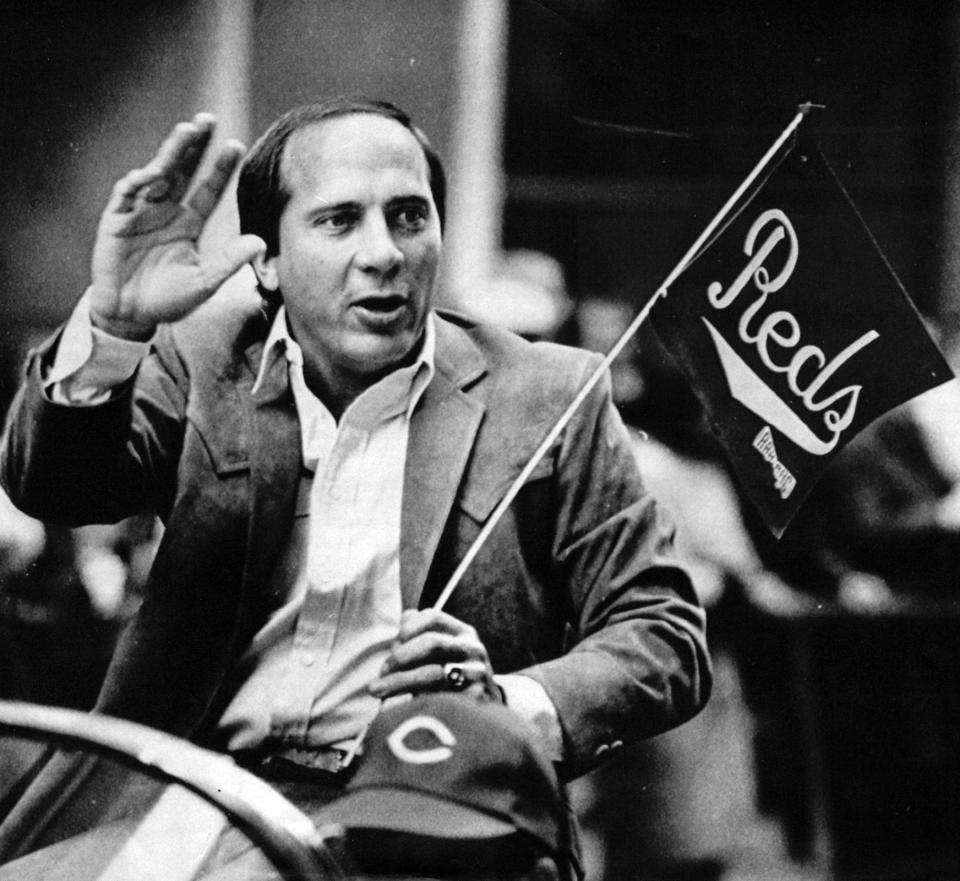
point(608, 359)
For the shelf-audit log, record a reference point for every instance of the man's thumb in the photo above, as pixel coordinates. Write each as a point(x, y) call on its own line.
point(231, 257)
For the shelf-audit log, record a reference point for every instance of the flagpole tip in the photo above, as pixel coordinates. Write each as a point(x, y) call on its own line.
point(806, 107)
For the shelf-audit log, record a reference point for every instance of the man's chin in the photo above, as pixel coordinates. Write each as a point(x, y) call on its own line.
point(378, 354)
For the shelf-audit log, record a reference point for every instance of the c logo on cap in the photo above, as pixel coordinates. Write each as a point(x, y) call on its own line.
point(429, 756)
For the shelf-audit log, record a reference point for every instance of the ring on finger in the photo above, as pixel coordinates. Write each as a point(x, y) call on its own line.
point(455, 676)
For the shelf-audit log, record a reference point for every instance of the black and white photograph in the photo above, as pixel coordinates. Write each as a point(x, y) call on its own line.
point(479, 440)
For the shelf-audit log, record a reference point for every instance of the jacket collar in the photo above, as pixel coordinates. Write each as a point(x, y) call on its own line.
point(442, 434)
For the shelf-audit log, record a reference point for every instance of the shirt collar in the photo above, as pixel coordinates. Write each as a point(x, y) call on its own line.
point(421, 371)
point(278, 336)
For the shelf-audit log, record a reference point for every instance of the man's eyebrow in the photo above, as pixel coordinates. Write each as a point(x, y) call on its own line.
point(411, 199)
point(326, 207)
point(408, 197)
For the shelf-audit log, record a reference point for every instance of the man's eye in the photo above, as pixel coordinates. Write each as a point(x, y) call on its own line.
point(412, 217)
point(336, 222)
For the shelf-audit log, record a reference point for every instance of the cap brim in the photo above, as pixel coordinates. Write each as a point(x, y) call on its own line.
point(414, 812)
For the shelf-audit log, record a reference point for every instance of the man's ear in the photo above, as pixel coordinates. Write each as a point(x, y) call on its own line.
point(266, 271)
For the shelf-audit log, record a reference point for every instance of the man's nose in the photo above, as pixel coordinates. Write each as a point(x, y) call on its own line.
point(378, 250)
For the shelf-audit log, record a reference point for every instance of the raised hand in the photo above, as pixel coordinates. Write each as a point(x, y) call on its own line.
point(146, 265)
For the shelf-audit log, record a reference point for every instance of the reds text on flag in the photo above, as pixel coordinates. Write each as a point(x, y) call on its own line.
point(795, 334)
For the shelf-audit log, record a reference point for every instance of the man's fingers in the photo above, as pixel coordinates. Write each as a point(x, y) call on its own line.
point(168, 175)
point(197, 286)
point(126, 190)
point(469, 677)
point(179, 157)
point(209, 191)
point(426, 678)
point(435, 651)
point(431, 648)
point(416, 621)
point(218, 267)
point(460, 675)
point(179, 146)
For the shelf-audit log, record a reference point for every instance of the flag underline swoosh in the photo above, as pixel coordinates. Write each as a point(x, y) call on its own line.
point(751, 391)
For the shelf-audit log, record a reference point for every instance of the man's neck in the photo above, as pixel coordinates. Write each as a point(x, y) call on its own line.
point(338, 389)
point(336, 394)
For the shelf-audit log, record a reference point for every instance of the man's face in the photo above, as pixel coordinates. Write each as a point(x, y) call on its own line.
point(359, 247)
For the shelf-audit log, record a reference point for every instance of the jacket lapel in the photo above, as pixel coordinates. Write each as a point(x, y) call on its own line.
point(442, 432)
point(275, 465)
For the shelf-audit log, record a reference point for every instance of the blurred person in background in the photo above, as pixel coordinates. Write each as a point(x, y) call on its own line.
point(862, 592)
point(64, 595)
point(881, 529)
point(525, 293)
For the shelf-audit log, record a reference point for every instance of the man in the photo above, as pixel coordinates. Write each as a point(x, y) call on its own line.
point(453, 788)
point(323, 458)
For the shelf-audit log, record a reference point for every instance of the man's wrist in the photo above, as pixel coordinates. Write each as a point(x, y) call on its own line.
point(90, 364)
point(125, 330)
point(529, 700)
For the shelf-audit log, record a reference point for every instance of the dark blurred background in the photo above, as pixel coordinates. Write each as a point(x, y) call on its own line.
point(629, 123)
point(623, 123)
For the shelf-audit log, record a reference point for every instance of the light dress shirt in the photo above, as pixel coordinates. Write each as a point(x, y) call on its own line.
point(311, 663)
point(305, 674)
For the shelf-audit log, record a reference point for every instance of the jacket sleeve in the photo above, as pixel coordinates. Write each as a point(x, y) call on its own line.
point(639, 663)
point(96, 464)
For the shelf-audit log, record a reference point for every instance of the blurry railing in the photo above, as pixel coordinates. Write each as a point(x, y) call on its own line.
point(286, 835)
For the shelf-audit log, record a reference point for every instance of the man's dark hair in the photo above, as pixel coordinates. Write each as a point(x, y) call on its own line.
point(261, 191)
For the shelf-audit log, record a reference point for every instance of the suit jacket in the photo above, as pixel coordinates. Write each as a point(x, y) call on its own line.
point(577, 586)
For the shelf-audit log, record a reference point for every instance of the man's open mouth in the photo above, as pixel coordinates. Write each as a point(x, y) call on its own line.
point(382, 305)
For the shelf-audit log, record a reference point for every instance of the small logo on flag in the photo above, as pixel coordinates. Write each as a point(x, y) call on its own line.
point(783, 481)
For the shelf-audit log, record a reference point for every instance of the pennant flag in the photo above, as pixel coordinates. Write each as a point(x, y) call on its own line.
point(794, 332)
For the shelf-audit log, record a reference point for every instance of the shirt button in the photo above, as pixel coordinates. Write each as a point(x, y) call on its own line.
point(335, 492)
point(307, 659)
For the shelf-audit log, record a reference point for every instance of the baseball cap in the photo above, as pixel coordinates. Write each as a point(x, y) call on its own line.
point(448, 766)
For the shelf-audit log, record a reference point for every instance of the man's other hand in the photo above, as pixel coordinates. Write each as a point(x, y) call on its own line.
point(436, 652)
point(146, 266)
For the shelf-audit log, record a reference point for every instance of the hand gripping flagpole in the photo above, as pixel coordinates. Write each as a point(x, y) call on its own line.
point(597, 375)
